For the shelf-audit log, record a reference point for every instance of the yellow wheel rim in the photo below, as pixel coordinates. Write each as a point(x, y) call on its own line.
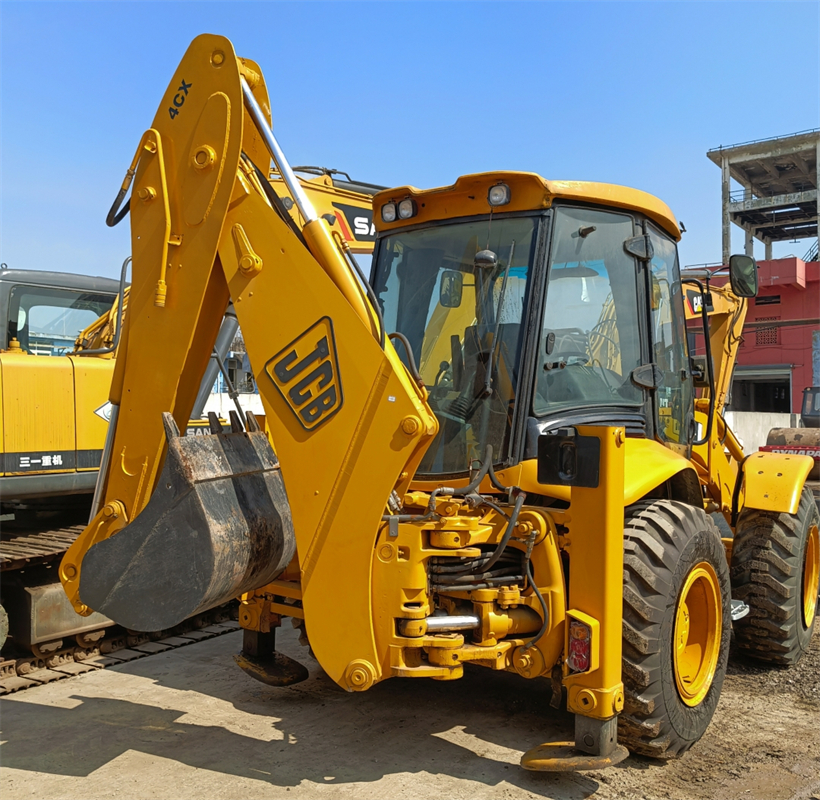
point(811, 575)
point(697, 634)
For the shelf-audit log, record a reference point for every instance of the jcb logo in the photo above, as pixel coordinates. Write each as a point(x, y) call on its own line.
point(306, 373)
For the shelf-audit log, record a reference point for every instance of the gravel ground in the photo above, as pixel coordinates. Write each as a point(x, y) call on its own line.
point(188, 724)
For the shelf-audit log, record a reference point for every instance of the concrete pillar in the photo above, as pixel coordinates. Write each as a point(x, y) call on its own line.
point(768, 255)
point(749, 247)
point(817, 187)
point(727, 224)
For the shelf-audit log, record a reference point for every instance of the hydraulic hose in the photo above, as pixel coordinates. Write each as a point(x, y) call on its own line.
point(487, 584)
point(344, 247)
point(505, 573)
point(505, 539)
point(275, 201)
point(544, 608)
point(411, 359)
point(494, 480)
point(486, 566)
point(116, 214)
point(500, 511)
point(471, 486)
point(438, 568)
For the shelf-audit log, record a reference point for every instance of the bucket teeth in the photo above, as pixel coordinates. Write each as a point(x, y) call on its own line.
point(236, 423)
point(252, 423)
point(217, 525)
point(213, 423)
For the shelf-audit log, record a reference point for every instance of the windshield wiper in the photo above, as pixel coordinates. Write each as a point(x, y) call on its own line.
point(488, 375)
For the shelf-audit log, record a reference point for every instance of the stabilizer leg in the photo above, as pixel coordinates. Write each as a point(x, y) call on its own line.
point(260, 660)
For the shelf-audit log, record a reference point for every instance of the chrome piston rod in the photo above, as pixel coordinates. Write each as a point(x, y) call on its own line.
point(304, 205)
point(464, 622)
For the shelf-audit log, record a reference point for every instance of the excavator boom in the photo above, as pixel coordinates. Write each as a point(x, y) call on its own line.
point(204, 232)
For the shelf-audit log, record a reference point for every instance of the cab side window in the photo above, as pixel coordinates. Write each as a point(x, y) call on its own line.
point(674, 397)
point(47, 321)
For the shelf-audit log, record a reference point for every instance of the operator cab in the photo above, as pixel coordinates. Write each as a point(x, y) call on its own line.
point(43, 312)
point(531, 306)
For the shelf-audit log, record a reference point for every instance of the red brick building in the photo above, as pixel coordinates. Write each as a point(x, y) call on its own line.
point(776, 362)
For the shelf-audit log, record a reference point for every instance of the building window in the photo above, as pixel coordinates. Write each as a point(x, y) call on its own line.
point(771, 300)
point(766, 335)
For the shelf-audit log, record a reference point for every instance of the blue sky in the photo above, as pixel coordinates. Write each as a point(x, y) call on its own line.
point(623, 92)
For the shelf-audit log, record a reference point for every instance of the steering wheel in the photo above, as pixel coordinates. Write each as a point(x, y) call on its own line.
point(566, 354)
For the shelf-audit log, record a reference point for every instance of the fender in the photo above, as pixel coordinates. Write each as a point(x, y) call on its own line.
point(773, 482)
point(648, 464)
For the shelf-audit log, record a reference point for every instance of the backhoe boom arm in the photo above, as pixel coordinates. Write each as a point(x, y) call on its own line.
point(334, 398)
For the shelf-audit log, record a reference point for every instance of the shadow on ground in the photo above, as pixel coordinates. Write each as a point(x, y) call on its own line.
point(327, 735)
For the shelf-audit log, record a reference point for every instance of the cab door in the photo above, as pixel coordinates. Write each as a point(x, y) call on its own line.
point(674, 398)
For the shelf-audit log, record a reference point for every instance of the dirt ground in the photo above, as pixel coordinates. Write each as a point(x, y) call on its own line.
point(188, 724)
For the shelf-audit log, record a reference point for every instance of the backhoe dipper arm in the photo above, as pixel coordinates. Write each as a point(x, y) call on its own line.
point(348, 422)
point(776, 482)
point(726, 317)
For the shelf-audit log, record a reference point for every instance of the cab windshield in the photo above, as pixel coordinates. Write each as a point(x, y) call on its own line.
point(459, 293)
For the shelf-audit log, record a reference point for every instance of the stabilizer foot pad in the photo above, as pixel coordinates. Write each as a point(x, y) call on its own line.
point(280, 670)
point(563, 757)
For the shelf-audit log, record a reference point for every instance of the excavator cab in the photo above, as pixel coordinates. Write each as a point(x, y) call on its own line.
point(810, 410)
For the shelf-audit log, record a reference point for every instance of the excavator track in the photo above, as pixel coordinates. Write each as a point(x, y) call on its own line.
point(20, 671)
point(21, 549)
point(25, 551)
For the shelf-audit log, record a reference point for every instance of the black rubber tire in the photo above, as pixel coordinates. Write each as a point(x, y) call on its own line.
point(663, 541)
point(768, 556)
point(4, 626)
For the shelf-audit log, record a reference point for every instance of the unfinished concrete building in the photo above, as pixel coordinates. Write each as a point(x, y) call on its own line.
point(778, 199)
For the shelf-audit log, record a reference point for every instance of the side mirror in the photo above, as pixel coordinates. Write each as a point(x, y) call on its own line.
point(451, 288)
point(743, 276)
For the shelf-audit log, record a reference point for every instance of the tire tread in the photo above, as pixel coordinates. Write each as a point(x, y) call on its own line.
point(767, 573)
point(656, 533)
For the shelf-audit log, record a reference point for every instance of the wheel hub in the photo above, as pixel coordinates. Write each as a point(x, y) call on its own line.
point(697, 634)
point(811, 575)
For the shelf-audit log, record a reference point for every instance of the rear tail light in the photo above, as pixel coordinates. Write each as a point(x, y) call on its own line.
point(580, 646)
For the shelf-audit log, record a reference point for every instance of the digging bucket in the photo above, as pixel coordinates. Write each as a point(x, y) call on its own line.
point(217, 525)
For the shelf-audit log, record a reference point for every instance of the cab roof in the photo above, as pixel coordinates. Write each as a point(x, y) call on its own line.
point(528, 192)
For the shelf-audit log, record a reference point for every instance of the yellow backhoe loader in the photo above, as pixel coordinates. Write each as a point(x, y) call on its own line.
point(489, 453)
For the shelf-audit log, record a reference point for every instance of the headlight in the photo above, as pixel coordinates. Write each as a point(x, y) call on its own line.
point(499, 195)
point(407, 208)
point(389, 212)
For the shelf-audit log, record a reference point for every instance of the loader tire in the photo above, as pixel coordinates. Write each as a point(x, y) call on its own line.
point(676, 627)
point(775, 566)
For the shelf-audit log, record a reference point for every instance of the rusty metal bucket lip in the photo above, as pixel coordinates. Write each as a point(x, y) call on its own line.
point(217, 525)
